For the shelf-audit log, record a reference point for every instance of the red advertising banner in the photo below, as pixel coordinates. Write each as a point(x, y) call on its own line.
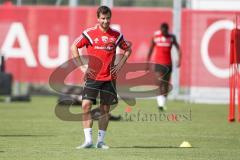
point(205, 42)
point(36, 40)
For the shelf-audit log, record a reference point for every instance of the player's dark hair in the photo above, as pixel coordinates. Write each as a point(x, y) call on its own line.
point(164, 26)
point(103, 10)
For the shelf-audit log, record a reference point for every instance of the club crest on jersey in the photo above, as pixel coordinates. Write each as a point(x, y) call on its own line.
point(105, 39)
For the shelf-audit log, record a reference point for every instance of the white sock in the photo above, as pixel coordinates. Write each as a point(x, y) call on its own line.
point(88, 135)
point(161, 100)
point(101, 135)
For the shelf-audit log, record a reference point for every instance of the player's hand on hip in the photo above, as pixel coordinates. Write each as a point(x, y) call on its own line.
point(114, 70)
point(84, 68)
point(89, 73)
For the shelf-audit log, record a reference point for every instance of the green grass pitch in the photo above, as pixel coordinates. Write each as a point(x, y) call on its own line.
point(31, 131)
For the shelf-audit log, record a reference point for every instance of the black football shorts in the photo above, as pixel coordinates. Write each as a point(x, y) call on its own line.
point(165, 70)
point(107, 90)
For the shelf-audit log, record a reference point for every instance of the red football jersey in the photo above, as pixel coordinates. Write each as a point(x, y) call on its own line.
point(163, 46)
point(101, 48)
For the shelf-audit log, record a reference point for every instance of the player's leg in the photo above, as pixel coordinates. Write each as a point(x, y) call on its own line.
point(104, 118)
point(161, 98)
point(87, 124)
point(166, 81)
point(163, 73)
point(102, 126)
point(165, 86)
point(90, 93)
point(108, 97)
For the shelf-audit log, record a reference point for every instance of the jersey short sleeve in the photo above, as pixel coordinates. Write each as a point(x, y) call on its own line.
point(123, 44)
point(81, 41)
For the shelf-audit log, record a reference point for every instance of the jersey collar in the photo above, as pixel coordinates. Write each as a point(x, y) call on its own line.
point(98, 27)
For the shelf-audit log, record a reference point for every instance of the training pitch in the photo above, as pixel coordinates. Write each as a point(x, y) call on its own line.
point(30, 131)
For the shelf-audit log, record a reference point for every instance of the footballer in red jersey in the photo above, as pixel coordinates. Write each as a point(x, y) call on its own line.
point(162, 43)
point(101, 42)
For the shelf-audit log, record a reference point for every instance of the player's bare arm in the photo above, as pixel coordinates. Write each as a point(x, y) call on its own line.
point(175, 43)
point(150, 50)
point(76, 55)
point(150, 53)
point(77, 59)
point(115, 69)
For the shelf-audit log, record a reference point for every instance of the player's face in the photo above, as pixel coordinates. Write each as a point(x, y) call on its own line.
point(164, 30)
point(104, 20)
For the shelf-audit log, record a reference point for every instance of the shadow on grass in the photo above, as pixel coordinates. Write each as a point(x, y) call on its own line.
point(25, 135)
point(152, 147)
point(1, 151)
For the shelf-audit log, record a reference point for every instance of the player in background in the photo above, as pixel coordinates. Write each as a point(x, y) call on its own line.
point(162, 42)
point(101, 42)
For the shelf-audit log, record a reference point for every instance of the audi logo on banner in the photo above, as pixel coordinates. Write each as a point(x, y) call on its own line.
point(209, 33)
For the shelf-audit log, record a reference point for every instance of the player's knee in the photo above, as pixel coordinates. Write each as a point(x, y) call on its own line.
point(104, 109)
point(86, 106)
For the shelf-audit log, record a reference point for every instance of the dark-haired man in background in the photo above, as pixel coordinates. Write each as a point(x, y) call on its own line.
point(162, 42)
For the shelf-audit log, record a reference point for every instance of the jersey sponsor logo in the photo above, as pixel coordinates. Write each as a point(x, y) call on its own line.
point(162, 41)
point(100, 47)
point(107, 47)
point(163, 44)
point(110, 46)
